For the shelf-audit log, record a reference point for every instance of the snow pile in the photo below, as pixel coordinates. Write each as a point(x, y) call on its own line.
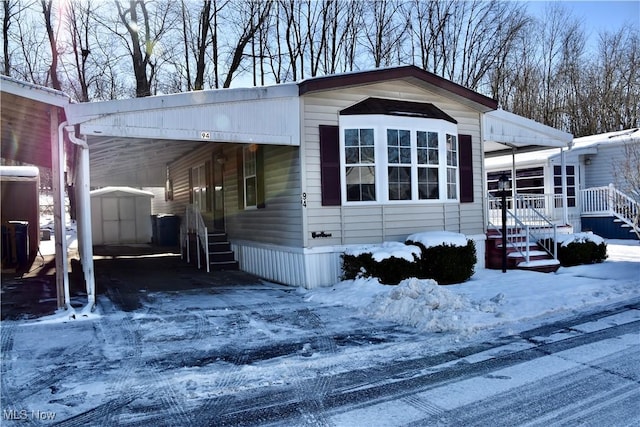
point(567, 239)
point(387, 250)
point(423, 304)
point(437, 238)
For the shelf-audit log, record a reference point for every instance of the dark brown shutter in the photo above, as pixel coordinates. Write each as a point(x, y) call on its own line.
point(330, 165)
point(261, 202)
point(466, 168)
point(240, 172)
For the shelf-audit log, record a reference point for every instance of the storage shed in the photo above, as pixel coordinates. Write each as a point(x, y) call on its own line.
point(20, 213)
point(121, 215)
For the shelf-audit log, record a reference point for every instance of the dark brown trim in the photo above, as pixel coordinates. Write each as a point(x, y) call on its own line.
point(383, 74)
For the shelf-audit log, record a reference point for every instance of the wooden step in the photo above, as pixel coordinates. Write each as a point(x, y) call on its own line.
point(223, 265)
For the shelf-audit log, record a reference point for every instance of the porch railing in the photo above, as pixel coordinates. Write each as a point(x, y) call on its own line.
point(541, 229)
point(530, 221)
point(611, 202)
point(194, 225)
point(517, 232)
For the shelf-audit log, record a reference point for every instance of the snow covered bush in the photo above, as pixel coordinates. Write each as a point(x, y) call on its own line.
point(580, 248)
point(445, 257)
point(389, 262)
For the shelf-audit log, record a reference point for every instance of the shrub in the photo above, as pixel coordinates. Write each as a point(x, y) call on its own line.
point(389, 269)
point(577, 250)
point(446, 264)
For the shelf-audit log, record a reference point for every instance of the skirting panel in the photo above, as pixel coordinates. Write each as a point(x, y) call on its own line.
point(308, 268)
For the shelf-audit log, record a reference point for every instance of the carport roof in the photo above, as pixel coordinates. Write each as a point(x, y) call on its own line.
point(26, 120)
point(504, 131)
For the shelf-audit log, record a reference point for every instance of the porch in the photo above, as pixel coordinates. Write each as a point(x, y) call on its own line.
point(532, 222)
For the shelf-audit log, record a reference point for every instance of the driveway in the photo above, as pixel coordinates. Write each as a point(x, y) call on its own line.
point(177, 346)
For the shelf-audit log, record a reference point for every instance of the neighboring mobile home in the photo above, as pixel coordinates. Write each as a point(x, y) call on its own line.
point(293, 174)
point(591, 182)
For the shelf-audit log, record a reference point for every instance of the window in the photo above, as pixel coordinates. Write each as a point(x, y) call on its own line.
point(428, 154)
point(250, 177)
point(571, 185)
point(452, 167)
point(399, 160)
point(359, 145)
point(391, 159)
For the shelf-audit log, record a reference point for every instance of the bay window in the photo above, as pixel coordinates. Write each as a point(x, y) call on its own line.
point(398, 159)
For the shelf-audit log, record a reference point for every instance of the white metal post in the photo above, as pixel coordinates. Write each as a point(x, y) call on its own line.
point(59, 217)
point(565, 208)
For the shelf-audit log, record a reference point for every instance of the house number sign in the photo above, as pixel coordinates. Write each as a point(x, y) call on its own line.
point(303, 200)
point(205, 135)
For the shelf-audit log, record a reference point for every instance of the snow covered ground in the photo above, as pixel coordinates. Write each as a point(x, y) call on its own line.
point(493, 300)
point(179, 358)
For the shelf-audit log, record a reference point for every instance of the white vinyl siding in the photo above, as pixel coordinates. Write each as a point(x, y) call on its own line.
point(374, 223)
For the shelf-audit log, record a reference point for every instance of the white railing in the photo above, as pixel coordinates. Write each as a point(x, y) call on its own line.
point(549, 205)
point(530, 222)
point(540, 228)
point(610, 201)
point(194, 225)
point(517, 236)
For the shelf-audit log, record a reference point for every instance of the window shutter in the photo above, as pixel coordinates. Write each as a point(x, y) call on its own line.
point(466, 168)
point(240, 171)
point(261, 201)
point(330, 165)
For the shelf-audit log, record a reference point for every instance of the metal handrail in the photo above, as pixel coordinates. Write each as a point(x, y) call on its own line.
point(538, 226)
point(514, 239)
point(195, 224)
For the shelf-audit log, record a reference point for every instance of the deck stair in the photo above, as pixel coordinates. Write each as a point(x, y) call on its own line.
point(205, 246)
point(221, 257)
point(517, 245)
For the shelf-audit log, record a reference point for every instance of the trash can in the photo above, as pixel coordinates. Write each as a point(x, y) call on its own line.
point(15, 243)
point(21, 233)
point(168, 230)
point(7, 252)
point(154, 229)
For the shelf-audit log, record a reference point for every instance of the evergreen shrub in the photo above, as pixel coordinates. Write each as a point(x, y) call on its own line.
point(446, 264)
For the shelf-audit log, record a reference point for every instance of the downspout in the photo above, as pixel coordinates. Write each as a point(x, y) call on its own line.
point(84, 216)
point(61, 224)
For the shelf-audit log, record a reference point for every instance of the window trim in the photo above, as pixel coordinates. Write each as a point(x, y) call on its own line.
point(380, 124)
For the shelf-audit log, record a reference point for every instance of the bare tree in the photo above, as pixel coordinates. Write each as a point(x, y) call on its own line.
point(627, 177)
point(145, 29)
point(385, 32)
point(47, 6)
point(251, 16)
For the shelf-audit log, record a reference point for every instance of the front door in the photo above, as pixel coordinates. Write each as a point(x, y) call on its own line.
point(218, 192)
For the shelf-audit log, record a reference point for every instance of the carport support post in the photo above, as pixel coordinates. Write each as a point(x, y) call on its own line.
point(84, 219)
point(59, 226)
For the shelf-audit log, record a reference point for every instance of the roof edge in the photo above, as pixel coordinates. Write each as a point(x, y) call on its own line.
point(33, 91)
point(356, 78)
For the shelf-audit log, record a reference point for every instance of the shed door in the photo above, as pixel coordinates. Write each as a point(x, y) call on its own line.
point(119, 220)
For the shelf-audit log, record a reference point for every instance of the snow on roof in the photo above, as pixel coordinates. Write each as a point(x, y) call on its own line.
point(619, 137)
point(579, 144)
point(128, 190)
point(387, 250)
point(437, 238)
point(19, 171)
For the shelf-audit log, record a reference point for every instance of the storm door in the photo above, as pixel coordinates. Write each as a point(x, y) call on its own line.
point(218, 191)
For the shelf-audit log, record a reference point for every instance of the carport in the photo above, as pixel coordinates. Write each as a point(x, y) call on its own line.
point(34, 127)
